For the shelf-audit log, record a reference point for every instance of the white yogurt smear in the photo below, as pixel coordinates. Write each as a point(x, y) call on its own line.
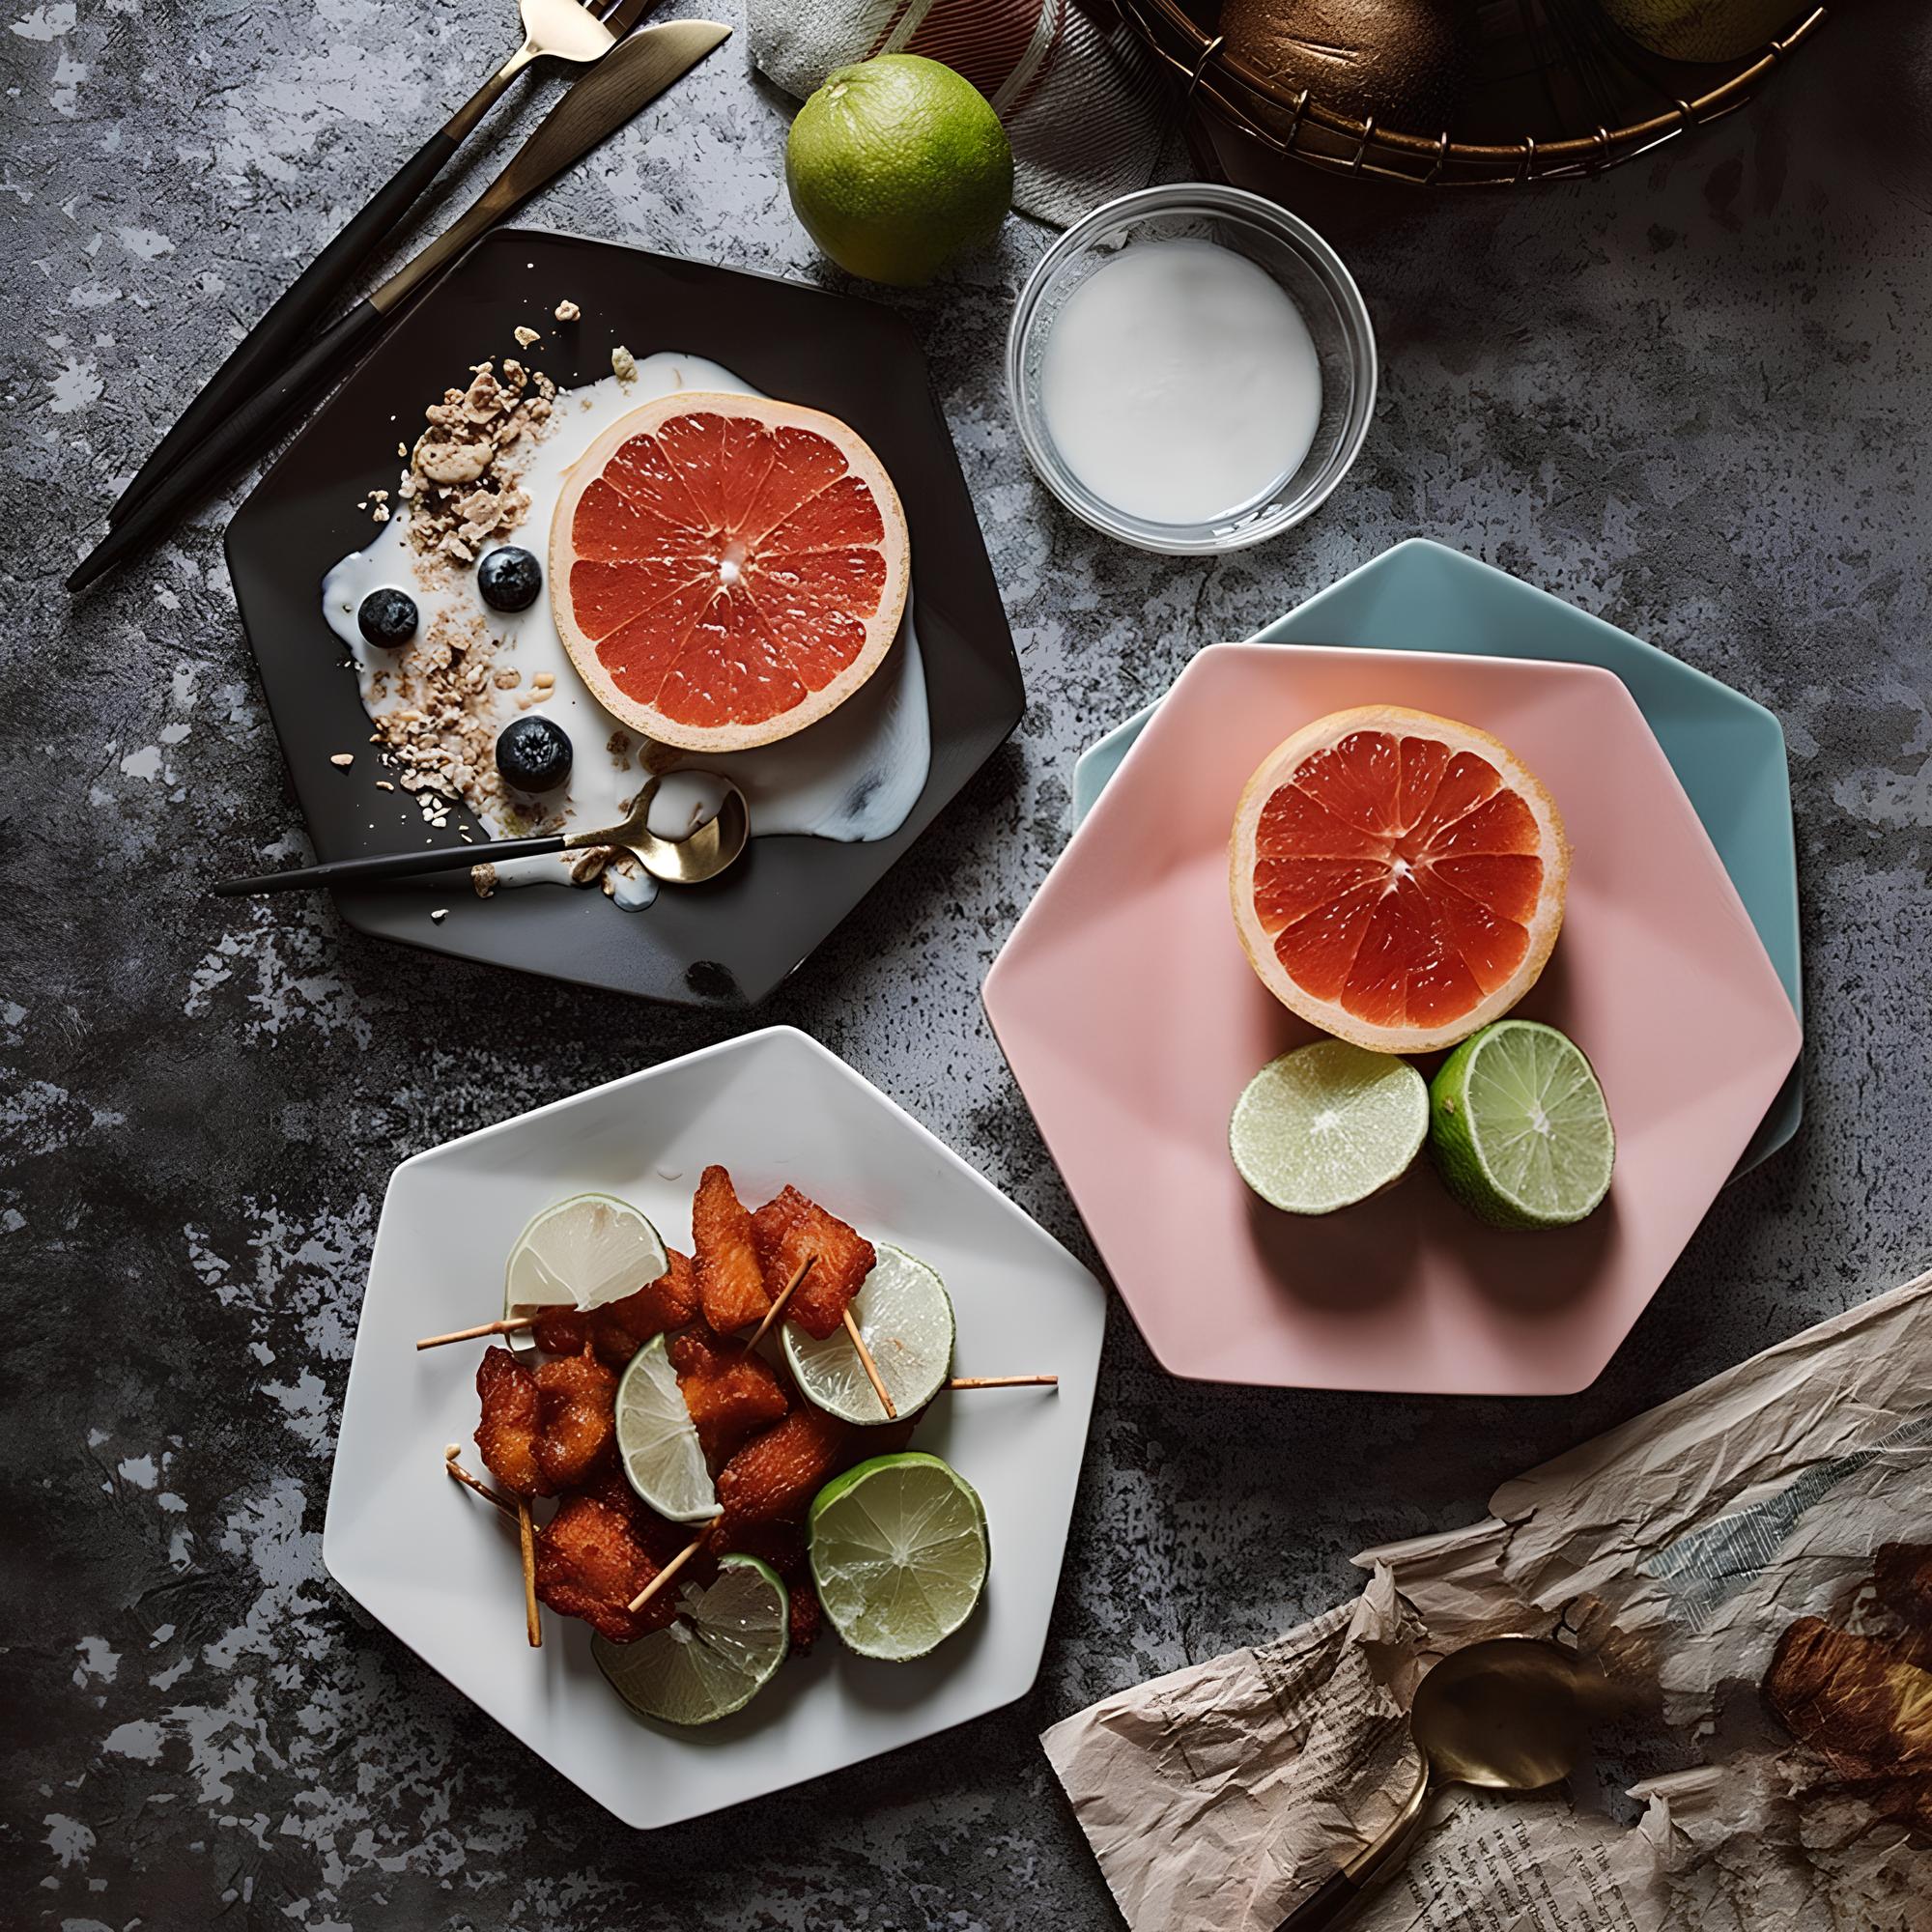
point(852, 777)
point(684, 803)
point(1179, 382)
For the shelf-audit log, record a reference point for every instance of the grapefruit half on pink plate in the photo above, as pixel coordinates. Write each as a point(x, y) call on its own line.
point(1132, 1020)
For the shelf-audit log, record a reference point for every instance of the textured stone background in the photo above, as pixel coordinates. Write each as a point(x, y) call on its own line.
point(1692, 397)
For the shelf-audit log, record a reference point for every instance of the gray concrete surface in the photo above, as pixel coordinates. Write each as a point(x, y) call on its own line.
point(1692, 397)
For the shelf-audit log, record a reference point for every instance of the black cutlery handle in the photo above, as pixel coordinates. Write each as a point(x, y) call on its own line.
point(238, 438)
point(296, 311)
point(386, 865)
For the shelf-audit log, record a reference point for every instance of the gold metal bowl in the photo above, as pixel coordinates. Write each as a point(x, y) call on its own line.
point(1556, 94)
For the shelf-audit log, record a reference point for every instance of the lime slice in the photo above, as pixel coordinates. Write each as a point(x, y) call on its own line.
point(1327, 1125)
point(581, 1253)
point(1519, 1129)
point(899, 1553)
point(905, 1316)
point(657, 1440)
point(718, 1655)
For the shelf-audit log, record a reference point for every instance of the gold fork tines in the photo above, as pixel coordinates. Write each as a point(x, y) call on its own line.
point(565, 29)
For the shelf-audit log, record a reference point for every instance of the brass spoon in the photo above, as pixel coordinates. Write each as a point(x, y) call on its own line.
point(1509, 1714)
point(689, 860)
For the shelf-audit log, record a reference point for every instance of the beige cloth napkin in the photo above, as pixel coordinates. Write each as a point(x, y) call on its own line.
point(1081, 96)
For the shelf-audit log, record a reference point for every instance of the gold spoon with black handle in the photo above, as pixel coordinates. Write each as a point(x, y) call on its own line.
point(702, 854)
point(579, 31)
point(628, 78)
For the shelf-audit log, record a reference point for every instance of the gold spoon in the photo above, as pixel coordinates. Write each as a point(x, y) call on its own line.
point(701, 854)
point(1509, 1714)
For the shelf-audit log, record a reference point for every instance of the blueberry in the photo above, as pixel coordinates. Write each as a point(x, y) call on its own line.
point(509, 579)
point(388, 618)
point(533, 754)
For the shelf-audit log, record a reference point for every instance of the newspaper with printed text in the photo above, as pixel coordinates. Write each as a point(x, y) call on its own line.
point(1749, 1564)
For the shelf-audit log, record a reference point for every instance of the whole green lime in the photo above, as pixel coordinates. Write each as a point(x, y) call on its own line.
point(898, 165)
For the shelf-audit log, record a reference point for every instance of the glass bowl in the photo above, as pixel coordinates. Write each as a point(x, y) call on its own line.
point(1309, 273)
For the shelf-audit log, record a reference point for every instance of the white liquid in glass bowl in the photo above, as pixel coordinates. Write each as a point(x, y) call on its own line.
point(1192, 369)
point(1179, 382)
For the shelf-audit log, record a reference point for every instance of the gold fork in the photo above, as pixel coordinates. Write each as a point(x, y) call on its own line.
point(566, 30)
point(577, 30)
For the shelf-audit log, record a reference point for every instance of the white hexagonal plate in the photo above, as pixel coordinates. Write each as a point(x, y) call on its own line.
point(434, 1564)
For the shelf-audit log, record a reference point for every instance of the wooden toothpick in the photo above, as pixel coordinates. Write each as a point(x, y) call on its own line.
point(482, 1488)
point(520, 1510)
point(527, 1536)
point(776, 1308)
point(669, 1571)
point(1003, 1381)
point(870, 1367)
point(513, 1324)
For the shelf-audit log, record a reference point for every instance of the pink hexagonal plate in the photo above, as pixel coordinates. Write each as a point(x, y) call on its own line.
point(1131, 1021)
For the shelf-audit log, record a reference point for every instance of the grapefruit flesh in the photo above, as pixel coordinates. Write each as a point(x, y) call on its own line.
point(1397, 878)
point(726, 570)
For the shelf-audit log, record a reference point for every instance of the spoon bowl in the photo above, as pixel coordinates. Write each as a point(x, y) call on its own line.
point(1509, 1714)
point(702, 854)
point(1506, 1714)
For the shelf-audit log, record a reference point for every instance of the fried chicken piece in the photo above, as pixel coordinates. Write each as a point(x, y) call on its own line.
point(669, 1302)
point(620, 1328)
point(507, 1435)
point(591, 1562)
point(1852, 1697)
point(561, 1331)
point(786, 1229)
point(1864, 1708)
point(775, 1476)
point(660, 1538)
point(768, 1227)
point(730, 1394)
point(576, 1418)
point(804, 1617)
point(730, 1282)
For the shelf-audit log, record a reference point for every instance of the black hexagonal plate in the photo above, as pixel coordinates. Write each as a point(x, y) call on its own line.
point(728, 943)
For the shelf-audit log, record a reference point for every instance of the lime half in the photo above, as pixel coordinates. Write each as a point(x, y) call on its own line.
point(581, 1253)
point(899, 1553)
point(1519, 1129)
point(1327, 1125)
point(905, 1314)
point(715, 1657)
point(657, 1440)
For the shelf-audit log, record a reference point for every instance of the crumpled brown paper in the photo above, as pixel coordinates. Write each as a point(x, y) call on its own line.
point(1752, 1563)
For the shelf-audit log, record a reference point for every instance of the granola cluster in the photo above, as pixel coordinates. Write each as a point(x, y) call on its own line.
point(462, 485)
point(437, 708)
point(434, 717)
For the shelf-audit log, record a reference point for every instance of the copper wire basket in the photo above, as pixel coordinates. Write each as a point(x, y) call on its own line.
point(1555, 98)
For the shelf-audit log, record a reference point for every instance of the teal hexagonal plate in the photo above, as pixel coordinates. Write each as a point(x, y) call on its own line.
point(1727, 751)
